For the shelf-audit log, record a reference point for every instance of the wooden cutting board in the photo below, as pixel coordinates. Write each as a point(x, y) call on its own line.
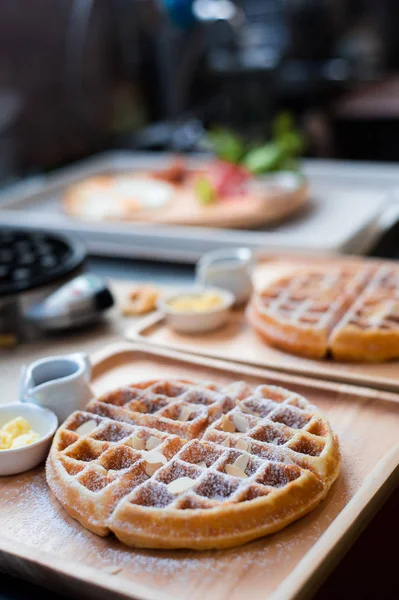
point(239, 343)
point(39, 541)
point(276, 203)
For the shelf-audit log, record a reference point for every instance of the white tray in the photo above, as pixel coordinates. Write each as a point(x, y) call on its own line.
point(351, 206)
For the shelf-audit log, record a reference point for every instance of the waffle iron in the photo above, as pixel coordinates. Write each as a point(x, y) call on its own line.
point(33, 266)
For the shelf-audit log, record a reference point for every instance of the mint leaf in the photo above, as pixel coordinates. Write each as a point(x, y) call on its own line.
point(263, 159)
point(227, 145)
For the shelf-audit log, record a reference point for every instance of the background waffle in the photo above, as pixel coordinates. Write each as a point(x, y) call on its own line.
point(245, 463)
point(352, 314)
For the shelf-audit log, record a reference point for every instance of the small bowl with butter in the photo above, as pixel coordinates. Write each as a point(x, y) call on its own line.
point(197, 309)
point(26, 432)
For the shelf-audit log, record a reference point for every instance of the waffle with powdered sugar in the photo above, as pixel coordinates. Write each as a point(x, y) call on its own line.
point(348, 313)
point(182, 464)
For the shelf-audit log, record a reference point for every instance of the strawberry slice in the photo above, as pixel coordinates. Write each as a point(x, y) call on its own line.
point(227, 179)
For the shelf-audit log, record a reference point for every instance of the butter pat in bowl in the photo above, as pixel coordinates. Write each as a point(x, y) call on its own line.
point(26, 432)
point(197, 309)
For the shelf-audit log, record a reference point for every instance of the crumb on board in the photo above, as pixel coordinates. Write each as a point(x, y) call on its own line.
point(141, 300)
point(111, 569)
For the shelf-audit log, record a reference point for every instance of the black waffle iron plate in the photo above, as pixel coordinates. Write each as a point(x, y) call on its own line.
point(28, 261)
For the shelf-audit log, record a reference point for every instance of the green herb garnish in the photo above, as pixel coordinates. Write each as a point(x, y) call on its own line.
point(227, 145)
point(280, 153)
point(204, 191)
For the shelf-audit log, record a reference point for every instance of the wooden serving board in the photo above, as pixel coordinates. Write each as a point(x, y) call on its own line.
point(257, 209)
point(239, 343)
point(39, 541)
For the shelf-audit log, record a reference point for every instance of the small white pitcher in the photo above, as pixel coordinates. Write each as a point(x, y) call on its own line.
point(229, 269)
point(60, 383)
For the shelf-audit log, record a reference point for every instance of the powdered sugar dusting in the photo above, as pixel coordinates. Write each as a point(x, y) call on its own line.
point(31, 515)
point(115, 469)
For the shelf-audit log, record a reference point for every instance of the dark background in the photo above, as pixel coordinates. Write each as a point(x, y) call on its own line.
point(81, 76)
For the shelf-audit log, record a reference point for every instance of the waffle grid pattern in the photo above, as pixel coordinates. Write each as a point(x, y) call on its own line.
point(352, 314)
point(378, 306)
point(105, 455)
point(179, 407)
point(252, 444)
point(268, 467)
point(314, 298)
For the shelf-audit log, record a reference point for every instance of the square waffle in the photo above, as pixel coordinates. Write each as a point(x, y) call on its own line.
point(180, 464)
point(350, 313)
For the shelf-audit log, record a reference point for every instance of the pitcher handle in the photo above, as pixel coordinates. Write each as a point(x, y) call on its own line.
point(82, 356)
point(24, 393)
point(22, 384)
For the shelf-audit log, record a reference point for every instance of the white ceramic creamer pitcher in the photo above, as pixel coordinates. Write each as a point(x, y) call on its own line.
point(60, 383)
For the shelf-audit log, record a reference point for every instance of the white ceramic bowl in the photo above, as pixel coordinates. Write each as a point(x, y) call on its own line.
point(43, 421)
point(194, 321)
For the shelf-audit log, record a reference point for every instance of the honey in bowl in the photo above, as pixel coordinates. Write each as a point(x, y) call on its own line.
point(201, 302)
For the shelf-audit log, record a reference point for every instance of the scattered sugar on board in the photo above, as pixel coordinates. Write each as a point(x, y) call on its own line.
point(181, 566)
point(33, 516)
point(36, 518)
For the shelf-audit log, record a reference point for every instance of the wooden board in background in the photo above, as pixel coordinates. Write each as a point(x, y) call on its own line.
point(238, 342)
point(40, 541)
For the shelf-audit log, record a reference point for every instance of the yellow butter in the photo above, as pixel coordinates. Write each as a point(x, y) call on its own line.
point(5, 440)
point(17, 433)
point(17, 426)
point(196, 302)
point(25, 439)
